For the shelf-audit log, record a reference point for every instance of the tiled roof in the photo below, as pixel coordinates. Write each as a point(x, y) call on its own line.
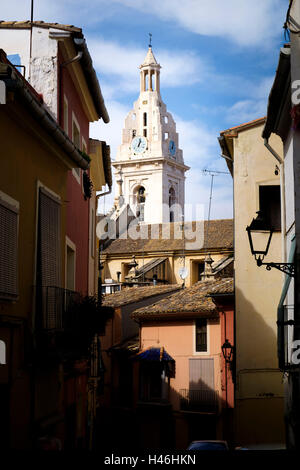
point(190, 301)
point(130, 295)
point(224, 286)
point(218, 234)
point(245, 125)
point(26, 24)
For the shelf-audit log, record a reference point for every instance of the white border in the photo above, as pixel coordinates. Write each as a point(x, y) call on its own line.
point(70, 244)
point(201, 353)
point(74, 172)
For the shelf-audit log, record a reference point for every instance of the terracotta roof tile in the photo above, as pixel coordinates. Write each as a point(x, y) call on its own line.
point(192, 300)
point(225, 286)
point(25, 24)
point(130, 295)
point(219, 234)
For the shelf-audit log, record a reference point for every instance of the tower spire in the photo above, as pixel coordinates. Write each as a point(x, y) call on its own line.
point(150, 71)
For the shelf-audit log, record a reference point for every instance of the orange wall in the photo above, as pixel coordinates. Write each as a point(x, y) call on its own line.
point(178, 339)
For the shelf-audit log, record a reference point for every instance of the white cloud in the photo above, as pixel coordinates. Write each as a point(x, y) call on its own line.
point(121, 62)
point(197, 141)
point(245, 110)
point(246, 23)
point(243, 22)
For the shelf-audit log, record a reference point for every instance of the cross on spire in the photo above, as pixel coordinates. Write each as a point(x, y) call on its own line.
point(150, 40)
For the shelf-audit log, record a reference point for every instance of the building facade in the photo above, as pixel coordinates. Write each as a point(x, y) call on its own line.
point(184, 390)
point(258, 388)
point(283, 121)
point(57, 63)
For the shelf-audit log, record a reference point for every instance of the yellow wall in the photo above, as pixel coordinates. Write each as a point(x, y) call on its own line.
point(257, 291)
point(113, 264)
point(25, 161)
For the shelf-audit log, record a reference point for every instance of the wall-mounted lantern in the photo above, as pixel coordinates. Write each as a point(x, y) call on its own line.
point(260, 244)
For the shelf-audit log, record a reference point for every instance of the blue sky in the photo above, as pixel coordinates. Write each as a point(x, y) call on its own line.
point(218, 62)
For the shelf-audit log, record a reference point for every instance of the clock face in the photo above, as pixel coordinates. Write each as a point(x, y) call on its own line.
point(139, 144)
point(172, 148)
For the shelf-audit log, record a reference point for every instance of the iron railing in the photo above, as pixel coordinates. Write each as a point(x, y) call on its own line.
point(202, 400)
point(54, 308)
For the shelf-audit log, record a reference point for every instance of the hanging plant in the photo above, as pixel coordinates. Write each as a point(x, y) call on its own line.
point(87, 186)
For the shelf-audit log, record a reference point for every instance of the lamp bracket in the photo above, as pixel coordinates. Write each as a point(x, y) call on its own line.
point(286, 268)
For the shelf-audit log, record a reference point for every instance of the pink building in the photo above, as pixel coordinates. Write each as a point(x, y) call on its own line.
point(183, 377)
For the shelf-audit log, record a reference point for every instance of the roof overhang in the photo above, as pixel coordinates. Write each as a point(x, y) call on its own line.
point(279, 104)
point(83, 73)
point(16, 83)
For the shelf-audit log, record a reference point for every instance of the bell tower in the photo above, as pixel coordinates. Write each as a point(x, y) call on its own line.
point(149, 157)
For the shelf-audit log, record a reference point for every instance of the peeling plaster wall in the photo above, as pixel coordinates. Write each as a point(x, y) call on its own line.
point(44, 67)
point(44, 63)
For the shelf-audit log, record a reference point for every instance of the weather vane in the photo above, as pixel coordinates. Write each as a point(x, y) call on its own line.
point(150, 40)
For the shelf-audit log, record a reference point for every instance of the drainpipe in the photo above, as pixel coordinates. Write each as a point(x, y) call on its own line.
point(74, 59)
point(65, 64)
point(282, 194)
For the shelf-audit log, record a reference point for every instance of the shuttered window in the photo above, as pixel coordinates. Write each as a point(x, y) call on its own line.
point(48, 261)
point(8, 251)
point(49, 240)
point(202, 374)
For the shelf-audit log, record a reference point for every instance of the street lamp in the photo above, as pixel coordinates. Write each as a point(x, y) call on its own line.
point(260, 234)
point(227, 351)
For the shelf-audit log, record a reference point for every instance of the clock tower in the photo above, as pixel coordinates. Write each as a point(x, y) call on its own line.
point(149, 164)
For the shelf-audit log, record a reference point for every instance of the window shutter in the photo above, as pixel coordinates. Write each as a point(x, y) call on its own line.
point(49, 239)
point(202, 374)
point(8, 251)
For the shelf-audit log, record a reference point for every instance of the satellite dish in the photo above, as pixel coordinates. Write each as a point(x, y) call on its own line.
point(183, 272)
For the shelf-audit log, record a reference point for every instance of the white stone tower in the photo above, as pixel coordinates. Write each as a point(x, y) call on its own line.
point(149, 165)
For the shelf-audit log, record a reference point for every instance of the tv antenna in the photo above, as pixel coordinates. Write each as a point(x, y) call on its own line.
point(212, 173)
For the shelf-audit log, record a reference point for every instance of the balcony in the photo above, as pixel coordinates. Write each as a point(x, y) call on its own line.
point(204, 401)
point(66, 321)
point(55, 308)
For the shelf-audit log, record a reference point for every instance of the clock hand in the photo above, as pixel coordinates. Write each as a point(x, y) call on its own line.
point(139, 142)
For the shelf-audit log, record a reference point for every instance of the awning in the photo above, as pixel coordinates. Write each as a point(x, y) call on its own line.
point(158, 356)
point(154, 354)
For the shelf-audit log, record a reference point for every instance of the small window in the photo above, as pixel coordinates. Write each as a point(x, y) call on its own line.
point(172, 200)
point(200, 271)
point(166, 135)
point(145, 132)
point(141, 199)
point(133, 133)
point(70, 269)
point(145, 119)
point(201, 335)
point(166, 119)
point(76, 135)
point(269, 204)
